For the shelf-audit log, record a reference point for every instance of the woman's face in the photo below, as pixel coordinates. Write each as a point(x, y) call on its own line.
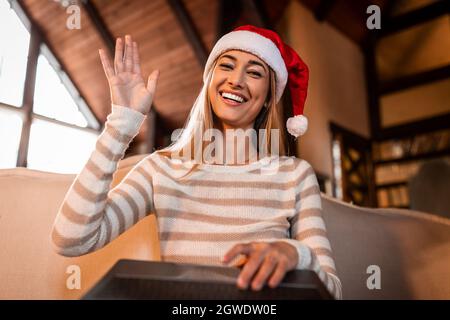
point(238, 88)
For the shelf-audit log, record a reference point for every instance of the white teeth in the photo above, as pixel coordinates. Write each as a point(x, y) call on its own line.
point(232, 97)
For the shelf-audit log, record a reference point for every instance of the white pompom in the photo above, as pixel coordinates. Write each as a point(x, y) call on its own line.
point(297, 125)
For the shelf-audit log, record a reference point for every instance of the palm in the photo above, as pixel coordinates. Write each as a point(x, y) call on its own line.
point(125, 80)
point(128, 89)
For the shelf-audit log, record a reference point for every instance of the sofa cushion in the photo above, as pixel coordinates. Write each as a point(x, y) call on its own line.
point(412, 250)
point(30, 268)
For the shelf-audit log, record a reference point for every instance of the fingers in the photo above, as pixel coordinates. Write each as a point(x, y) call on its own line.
point(128, 55)
point(241, 248)
point(152, 81)
point(109, 71)
point(266, 269)
point(264, 262)
point(136, 62)
point(279, 273)
point(241, 262)
point(118, 56)
point(249, 269)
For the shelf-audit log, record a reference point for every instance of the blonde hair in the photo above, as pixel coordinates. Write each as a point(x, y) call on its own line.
point(201, 118)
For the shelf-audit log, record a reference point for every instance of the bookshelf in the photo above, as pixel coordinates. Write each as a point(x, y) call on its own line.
point(396, 161)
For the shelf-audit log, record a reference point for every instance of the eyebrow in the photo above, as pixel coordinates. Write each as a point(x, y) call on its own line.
point(251, 62)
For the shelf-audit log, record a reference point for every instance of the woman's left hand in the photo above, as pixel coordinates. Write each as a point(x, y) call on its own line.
point(266, 262)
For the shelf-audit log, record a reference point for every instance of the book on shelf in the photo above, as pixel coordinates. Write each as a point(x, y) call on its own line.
point(444, 140)
point(396, 196)
point(404, 196)
point(383, 200)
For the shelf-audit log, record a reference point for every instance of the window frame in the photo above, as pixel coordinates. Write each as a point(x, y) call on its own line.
point(39, 46)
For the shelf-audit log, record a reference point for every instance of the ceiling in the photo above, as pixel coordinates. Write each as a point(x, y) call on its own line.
point(164, 44)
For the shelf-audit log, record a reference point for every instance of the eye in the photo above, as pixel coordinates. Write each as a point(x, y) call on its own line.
point(226, 66)
point(255, 73)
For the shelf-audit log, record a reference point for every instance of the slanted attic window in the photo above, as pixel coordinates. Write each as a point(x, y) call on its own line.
point(55, 146)
point(52, 99)
point(14, 39)
point(62, 130)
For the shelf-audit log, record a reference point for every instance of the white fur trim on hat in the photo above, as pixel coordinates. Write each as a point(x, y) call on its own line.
point(297, 125)
point(256, 44)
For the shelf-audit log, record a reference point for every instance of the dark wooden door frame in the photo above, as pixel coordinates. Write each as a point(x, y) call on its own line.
point(364, 143)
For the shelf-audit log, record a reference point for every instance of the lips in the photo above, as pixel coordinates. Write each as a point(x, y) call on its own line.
point(232, 98)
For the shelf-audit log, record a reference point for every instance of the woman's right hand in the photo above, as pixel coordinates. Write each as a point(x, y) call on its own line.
point(125, 80)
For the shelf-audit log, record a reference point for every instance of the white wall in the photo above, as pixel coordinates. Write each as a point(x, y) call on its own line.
point(337, 87)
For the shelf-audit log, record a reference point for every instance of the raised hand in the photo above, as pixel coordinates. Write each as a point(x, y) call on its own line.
point(125, 80)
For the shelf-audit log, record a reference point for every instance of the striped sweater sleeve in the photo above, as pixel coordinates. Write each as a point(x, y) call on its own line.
point(91, 215)
point(308, 232)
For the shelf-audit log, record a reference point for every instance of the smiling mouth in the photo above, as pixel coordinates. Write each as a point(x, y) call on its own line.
point(232, 99)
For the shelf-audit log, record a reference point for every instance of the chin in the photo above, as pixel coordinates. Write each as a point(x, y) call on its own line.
point(229, 116)
point(231, 121)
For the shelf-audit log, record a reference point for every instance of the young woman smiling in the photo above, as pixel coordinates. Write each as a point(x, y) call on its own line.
point(208, 213)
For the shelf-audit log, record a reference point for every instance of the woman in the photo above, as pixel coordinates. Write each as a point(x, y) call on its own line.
point(209, 212)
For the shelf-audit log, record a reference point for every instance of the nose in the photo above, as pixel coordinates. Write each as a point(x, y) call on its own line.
point(236, 78)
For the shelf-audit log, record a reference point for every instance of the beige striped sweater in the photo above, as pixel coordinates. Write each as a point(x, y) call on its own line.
point(200, 216)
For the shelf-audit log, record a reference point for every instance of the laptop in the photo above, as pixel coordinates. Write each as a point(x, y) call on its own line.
point(154, 280)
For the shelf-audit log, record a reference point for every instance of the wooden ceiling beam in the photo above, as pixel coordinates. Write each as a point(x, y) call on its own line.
point(261, 12)
point(323, 9)
point(189, 29)
point(100, 25)
point(229, 12)
point(415, 17)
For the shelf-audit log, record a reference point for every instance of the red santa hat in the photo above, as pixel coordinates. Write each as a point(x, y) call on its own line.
point(284, 61)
